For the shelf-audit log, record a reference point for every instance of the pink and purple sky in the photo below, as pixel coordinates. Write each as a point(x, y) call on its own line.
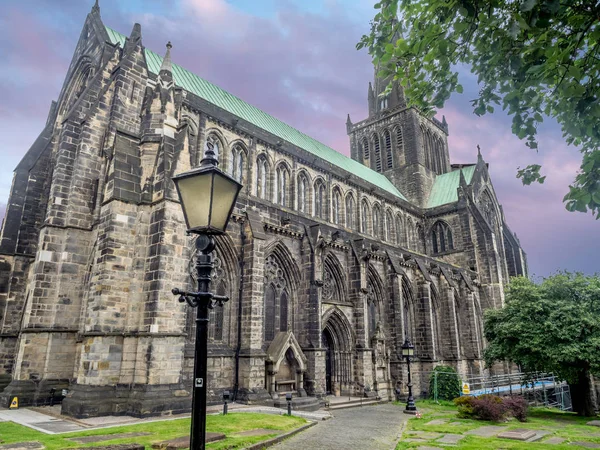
point(296, 60)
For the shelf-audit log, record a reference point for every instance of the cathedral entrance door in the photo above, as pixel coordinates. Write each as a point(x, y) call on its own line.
point(328, 346)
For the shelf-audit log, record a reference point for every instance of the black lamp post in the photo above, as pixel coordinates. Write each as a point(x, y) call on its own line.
point(288, 398)
point(408, 350)
point(207, 197)
point(225, 401)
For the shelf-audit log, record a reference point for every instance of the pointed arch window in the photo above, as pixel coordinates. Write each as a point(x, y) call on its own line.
point(399, 230)
point(320, 199)
point(216, 317)
point(365, 149)
point(387, 138)
point(283, 311)
point(372, 313)
point(336, 207)
point(238, 162)
point(399, 139)
point(302, 193)
point(364, 217)
point(281, 184)
point(277, 299)
point(270, 312)
point(217, 145)
point(408, 309)
point(377, 152)
point(263, 177)
point(350, 211)
point(389, 226)
point(441, 238)
point(377, 221)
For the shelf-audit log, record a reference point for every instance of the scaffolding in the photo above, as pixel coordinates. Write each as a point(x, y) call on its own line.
point(538, 389)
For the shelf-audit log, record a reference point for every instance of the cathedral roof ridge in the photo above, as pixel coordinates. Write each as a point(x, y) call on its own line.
point(234, 105)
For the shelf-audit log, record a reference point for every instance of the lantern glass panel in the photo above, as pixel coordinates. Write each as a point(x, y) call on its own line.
point(225, 191)
point(194, 192)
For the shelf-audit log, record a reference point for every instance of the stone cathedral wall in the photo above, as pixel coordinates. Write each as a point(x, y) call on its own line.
point(95, 240)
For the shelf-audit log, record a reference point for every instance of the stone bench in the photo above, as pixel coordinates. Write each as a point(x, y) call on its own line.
point(290, 383)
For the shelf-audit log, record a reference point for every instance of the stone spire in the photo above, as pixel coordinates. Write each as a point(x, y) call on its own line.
point(166, 69)
point(479, 157)
point(96, 7)
point(348, 124)
point(165, 78)
point(371, 97)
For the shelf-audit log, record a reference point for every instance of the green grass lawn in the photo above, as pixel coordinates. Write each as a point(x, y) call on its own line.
point(564, 425)
point(163, 430)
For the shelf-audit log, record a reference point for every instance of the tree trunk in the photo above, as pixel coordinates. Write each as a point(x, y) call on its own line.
point(583, 396)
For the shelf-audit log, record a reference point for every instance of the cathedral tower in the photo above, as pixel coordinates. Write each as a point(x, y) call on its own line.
point(400, 142)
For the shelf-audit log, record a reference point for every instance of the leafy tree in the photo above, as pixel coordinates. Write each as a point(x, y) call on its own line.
point(532, 57)
point(550, 327)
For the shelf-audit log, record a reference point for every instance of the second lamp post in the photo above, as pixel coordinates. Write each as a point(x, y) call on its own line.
point(408, 350)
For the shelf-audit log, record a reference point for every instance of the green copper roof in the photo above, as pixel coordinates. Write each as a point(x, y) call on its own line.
point(223, 99)
point(445, 186)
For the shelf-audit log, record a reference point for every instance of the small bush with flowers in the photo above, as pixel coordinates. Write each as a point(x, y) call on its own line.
point(491, 407)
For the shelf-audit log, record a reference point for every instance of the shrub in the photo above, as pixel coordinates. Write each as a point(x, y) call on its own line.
point(518, 407)
point(489, 407)
point(448, 383)
point(464, 406)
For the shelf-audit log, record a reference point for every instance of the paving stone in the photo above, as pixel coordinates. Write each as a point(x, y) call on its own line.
point(429, 448)
point(487, 431)
point(258, 432)
point(115, 447)
point(539, 434)
point(370, 427)
point(33, 445)
point(594, 423)
point(414, 440)
point(106, 437)
point(518, 434)
point(450, 438)
point(424, 434)
point(438, 422)
point(184, 441)
point(586, 444)
point(58, 426)
point(554, 440)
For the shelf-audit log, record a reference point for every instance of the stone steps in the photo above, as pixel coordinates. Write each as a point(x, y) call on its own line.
point(355, 403)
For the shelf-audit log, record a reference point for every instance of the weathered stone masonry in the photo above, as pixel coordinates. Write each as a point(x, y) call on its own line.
point(329, 262)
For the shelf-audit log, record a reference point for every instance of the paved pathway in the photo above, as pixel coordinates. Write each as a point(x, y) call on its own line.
point(368, 427)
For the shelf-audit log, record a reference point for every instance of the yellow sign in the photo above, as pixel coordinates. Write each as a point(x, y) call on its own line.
point(466, 389)
point(15, 403)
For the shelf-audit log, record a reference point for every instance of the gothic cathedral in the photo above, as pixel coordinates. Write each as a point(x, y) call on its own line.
point(330, 262)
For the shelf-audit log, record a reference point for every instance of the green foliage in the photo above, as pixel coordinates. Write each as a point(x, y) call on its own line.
point(550, 327)
point(448, 383)
point(534, 58)
point(465, 406)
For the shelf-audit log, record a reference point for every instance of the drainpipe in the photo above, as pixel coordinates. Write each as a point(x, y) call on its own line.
point(239, 315)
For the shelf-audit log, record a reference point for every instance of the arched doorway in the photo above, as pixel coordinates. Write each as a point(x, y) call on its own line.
point(328, 345)
point(336, 340)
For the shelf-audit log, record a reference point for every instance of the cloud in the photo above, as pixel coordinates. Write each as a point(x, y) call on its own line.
point(296, 61)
